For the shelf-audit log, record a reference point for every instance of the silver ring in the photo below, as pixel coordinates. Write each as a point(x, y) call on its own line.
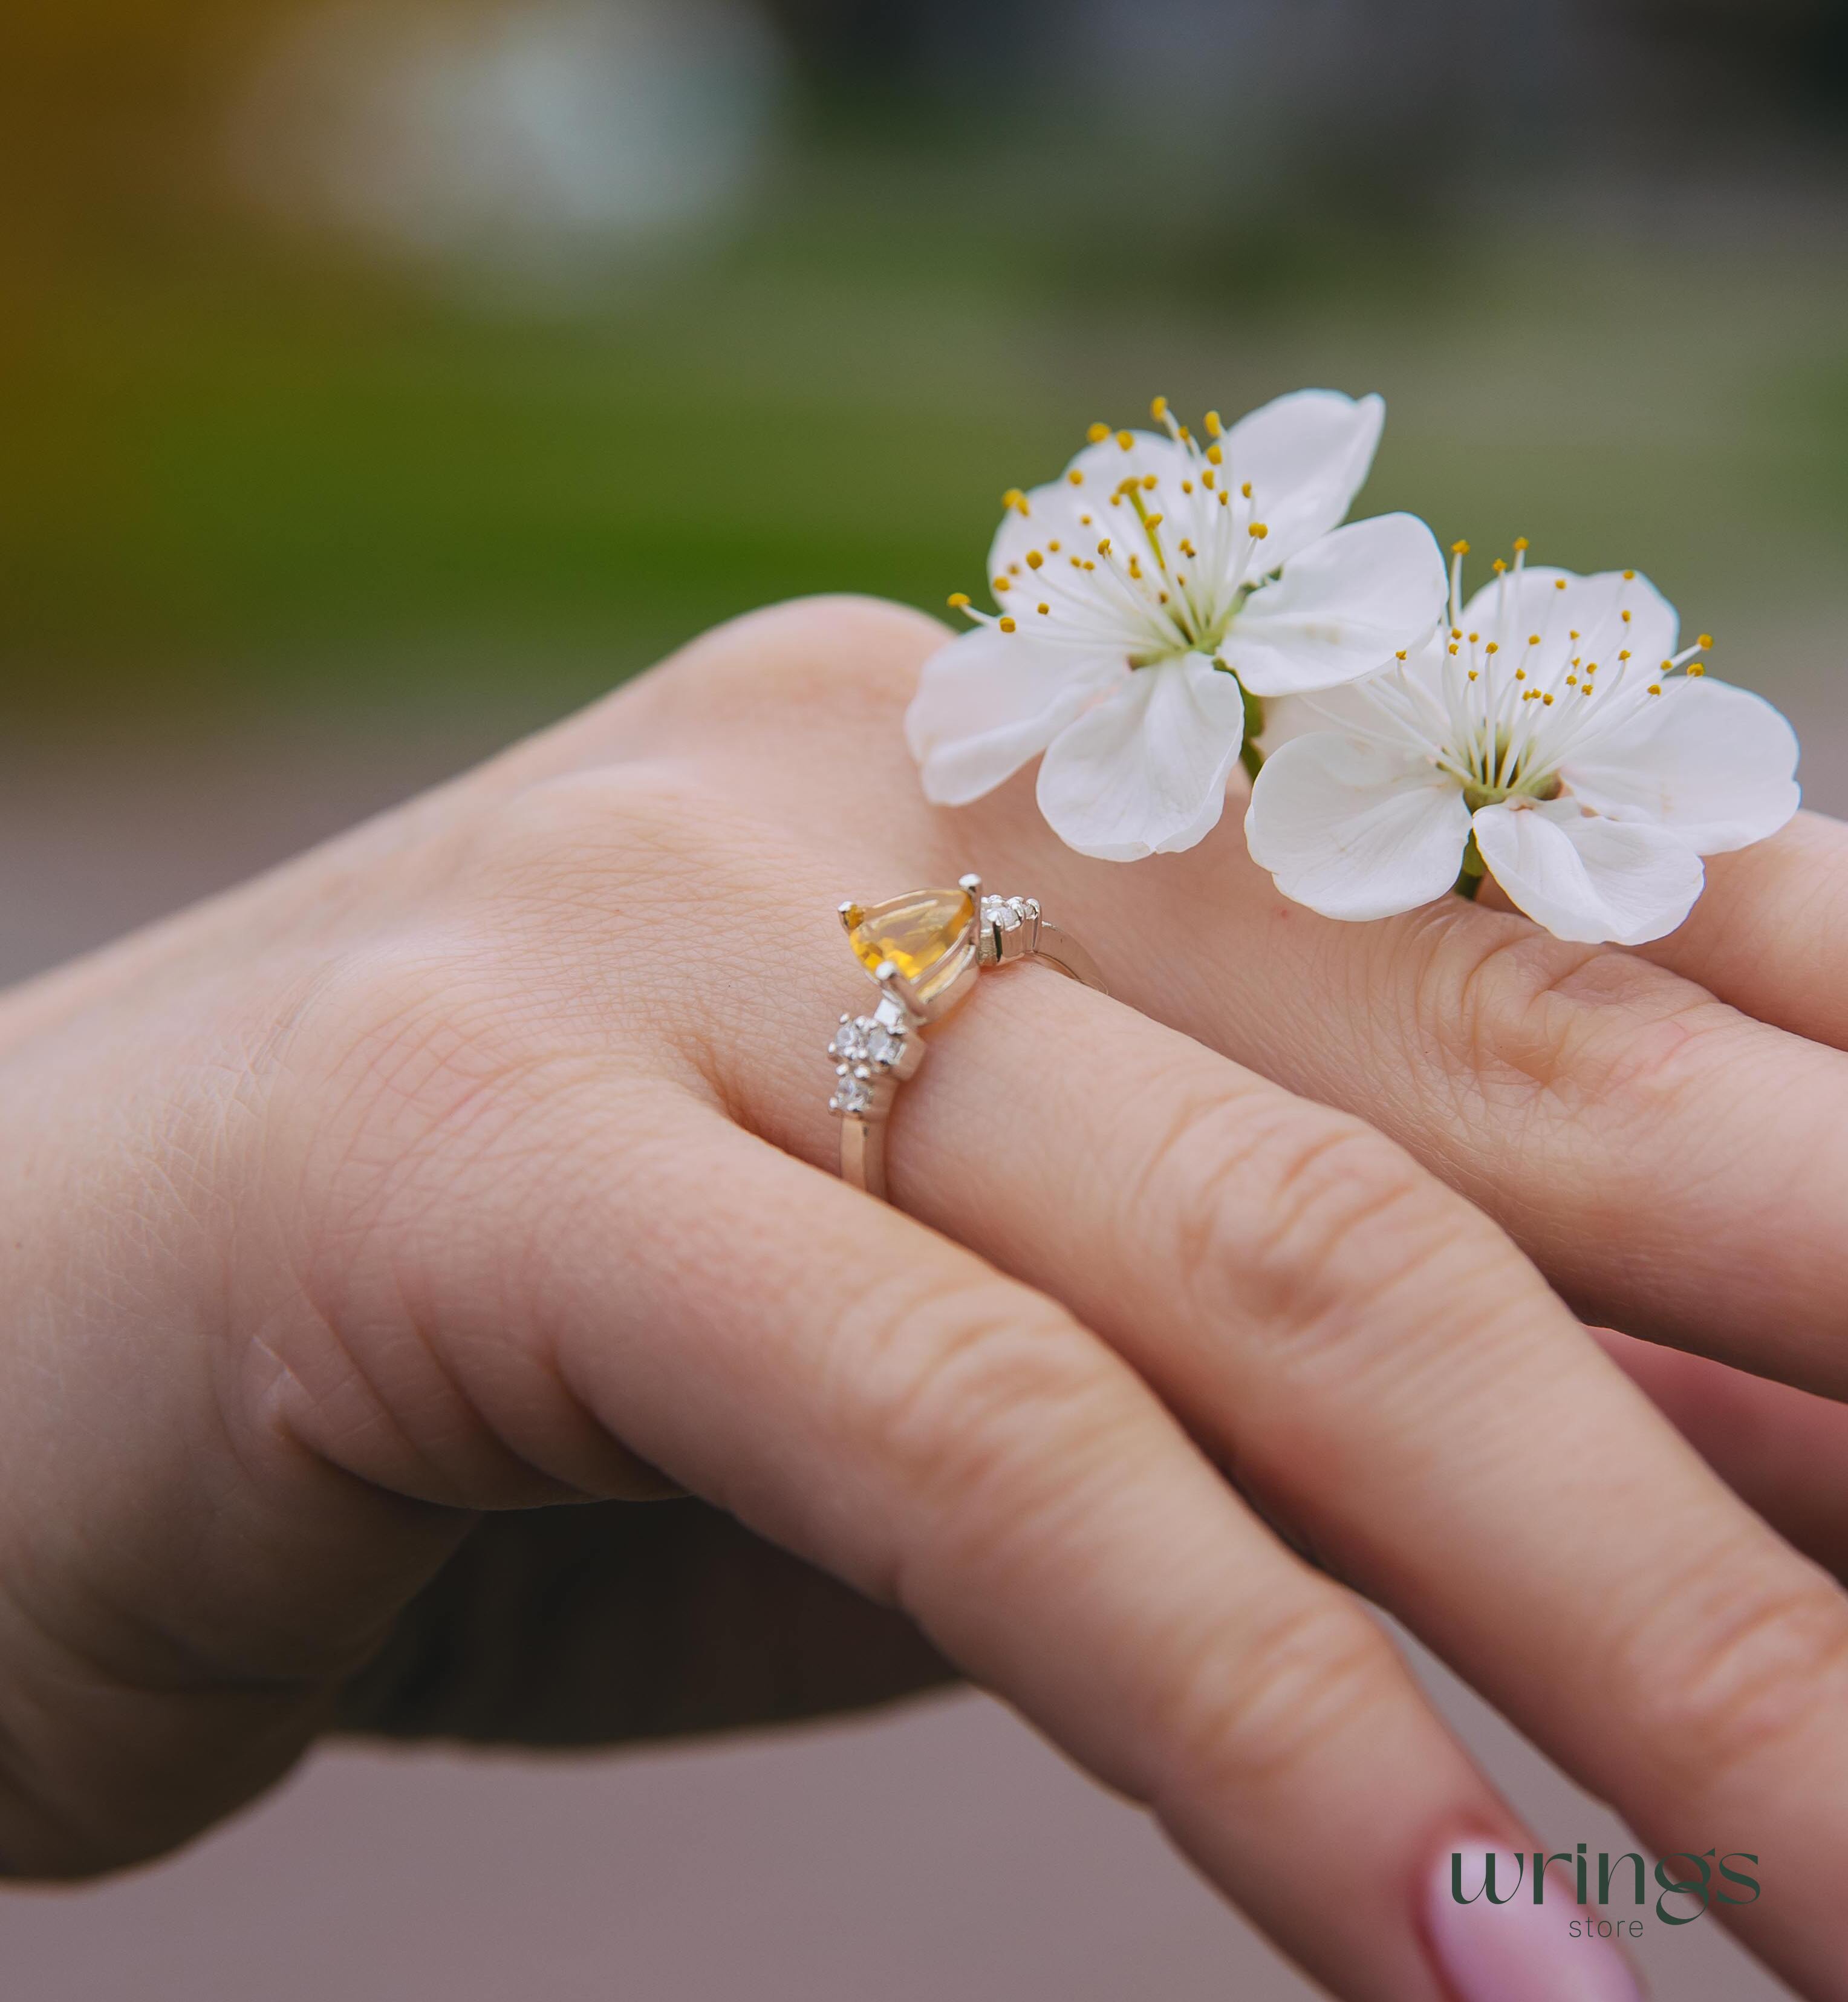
point(926, 950)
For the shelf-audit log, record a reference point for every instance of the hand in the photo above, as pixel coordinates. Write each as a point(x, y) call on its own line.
point(471, 1164)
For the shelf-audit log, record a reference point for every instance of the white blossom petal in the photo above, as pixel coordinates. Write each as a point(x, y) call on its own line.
point(1354, 831)
point(1587, 878)
point(1306, 456)
point(1714, 762)
point(990, 701)
point(1145, 772)
point(1341, 609)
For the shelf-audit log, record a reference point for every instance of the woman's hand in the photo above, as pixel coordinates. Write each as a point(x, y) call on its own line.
point(471, 1164)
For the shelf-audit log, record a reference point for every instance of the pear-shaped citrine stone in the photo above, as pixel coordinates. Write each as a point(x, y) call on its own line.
point(919, 933)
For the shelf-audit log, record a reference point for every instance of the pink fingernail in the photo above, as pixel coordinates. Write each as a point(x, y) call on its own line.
point(1516, 1951)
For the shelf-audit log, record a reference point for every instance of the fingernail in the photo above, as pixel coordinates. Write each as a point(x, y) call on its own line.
point(1516, 1951)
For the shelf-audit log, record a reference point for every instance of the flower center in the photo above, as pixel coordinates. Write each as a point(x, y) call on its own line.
point(1514, 705)
point(1159, 559)
point(1484, 790)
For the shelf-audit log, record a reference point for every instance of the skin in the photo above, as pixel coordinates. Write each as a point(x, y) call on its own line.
point(479, 1161)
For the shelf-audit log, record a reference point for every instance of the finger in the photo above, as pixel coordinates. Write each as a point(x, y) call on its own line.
point(1673, 1166)
point(1782, 1451)
point(1670, 1163)
point(880, 1401)
point(1382, 1370)
point(1769, 933)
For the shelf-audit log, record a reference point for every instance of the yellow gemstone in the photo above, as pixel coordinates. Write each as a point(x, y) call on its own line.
point(918, 933)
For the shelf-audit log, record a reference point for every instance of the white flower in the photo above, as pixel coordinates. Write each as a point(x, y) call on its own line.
point(1143, 595)
point(1551, 724)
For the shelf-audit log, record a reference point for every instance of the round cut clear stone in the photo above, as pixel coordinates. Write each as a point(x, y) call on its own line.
point(866, 1039)
point(853, 1095)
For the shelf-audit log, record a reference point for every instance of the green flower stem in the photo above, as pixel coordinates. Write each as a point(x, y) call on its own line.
point(1249, 756)
point(1468, 879)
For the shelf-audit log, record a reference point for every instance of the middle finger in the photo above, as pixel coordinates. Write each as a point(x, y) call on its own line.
point(1384, 1374)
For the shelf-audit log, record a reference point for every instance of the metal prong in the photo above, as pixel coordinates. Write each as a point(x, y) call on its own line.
point(850, 914)
point(893, 981)
point(972, 886)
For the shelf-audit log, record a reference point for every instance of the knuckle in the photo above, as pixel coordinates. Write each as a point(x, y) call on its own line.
point(988, 1407)
point(1523, 1021)
point(599, 842)
point(864, 652)
point(1303, 1217)
point(403, 1023)
point(596, 887)
point(1257, 1707)
point(1730, 1666)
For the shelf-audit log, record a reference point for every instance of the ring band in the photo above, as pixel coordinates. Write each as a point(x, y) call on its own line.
point(926, 950)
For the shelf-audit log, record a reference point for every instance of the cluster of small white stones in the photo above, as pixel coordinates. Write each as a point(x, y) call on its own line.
point(1004, 914)
point(864, 1049)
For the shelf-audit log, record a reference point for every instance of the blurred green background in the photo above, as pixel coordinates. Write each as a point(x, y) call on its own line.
point(443, 355)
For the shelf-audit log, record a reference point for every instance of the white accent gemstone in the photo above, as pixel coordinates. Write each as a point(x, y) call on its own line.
point(867, 1040)
point(998, 911)
point(853, 1096)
